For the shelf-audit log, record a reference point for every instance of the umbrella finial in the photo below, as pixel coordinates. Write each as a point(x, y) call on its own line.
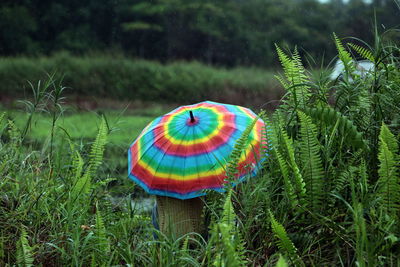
point(191, 116)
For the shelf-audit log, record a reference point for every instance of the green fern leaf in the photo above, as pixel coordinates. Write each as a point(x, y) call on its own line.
point(83, 184)
point(364, 52)
point(80, 186)
point(329, 117)
point(24, 251)
point(311, 161)
point(237, 152)
point(388, 137)
point(388, 182)
point(299, 183)
point(77, 166)
point(228, 213)
point(286, 180)
point(281, 262)
point(101, 232)
point(283, 241)
point(282, 82)
point(232, 257)
point(97, 149)
point(344, 56)
point(266, 136)
point(296, 79)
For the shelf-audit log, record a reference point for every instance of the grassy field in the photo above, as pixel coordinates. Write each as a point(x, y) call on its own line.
point(84, 126)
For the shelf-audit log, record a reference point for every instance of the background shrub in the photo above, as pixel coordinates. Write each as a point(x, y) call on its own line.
point(123, 78)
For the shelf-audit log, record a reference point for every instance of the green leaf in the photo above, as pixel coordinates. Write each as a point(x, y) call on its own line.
point(24, 251)
point(283, 241)
point(313, 172)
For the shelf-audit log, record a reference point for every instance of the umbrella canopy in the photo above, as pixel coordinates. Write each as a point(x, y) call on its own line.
point(185, 151)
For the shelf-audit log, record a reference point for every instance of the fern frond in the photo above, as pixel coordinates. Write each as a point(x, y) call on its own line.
point(341, 179)
point(281, 262)
point(364, 186)
point(185, 244)
point(286, 180)
point(228, 213)
point(83, 184)
point(300, 186)
point(237, 152)
point(103, 242)
point(344, 56)
point(329, 117)
point(232, 257)
point(296, 79)
point(24, 251)
point(97, 149)
point(311, 161)
point(388, 182)
point(282, 82)
point(266, 135)
point(362, 51)
point(283, 241)
point(388, 137)
point(2, 117)
point(286, 62)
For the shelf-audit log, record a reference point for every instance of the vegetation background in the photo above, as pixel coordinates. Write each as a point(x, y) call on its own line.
point(102, 48)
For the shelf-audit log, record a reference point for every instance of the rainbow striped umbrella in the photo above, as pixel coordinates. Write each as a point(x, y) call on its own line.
point(183, 152)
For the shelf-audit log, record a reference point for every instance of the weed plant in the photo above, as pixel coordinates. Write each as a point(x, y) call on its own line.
point(328, 193)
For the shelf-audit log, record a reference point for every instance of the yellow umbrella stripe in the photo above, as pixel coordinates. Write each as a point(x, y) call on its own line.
point(198, 140)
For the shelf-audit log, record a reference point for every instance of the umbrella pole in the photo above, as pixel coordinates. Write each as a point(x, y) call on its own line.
point(191, 116)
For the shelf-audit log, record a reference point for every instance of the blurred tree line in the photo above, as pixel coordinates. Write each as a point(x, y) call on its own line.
point(222, 32)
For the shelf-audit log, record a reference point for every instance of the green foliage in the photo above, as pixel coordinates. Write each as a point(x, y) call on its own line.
point(125, 78)
point(281, 262)
point(227, 238)
point(24, 251)
point(102, 241)
point(283, 241)
point(364, 52)
point(298, 177)
point(238, 150)
point(296, 79)
point(345, 127)
point(83, 183)
point(389, 183)
point(344, 57)
point(312, 168)
point(343, 158)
